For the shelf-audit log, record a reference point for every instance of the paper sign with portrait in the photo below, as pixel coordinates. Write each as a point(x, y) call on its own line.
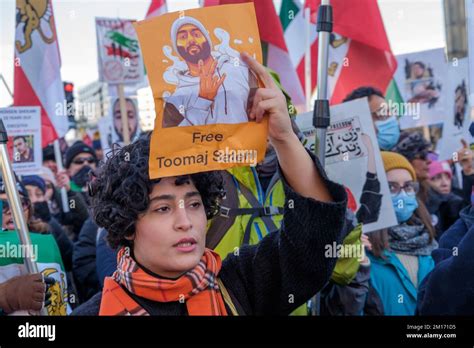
point(23, 125)
point(457, 120)
point(133, 119)
point(202, 88)
point(422, 78)
point(353, 159)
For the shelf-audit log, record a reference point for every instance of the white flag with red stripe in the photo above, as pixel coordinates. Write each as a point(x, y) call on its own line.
point(37, 67)
point(359, 51)
point(157, 7)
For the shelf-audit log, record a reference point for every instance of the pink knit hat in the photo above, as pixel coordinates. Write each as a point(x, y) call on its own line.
point(437, 167)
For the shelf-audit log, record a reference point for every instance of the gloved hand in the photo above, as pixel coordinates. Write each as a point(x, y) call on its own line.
point(26, 292)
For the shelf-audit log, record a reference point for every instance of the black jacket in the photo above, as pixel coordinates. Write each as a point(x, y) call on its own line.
point(64, 243)
point(445, 208)
point(77, 215)
point(449, 288)
point(282, 271)
point(83, 262)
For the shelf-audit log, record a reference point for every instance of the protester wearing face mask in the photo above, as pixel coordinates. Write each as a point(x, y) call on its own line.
point(443, 205)
point(36, 188)
point(80, 160)
point(414, 147)
point(385, 124)
point(388, 131)
point(252, 209)
point(401, 255)
point(72, 220)
point(163, 246)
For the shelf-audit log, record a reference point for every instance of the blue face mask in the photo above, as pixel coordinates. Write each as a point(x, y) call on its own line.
point(404, 206)
point(388, 133)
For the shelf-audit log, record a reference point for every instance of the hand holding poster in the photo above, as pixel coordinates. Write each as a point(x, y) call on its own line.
point(23, 125)
point(202, 88)
point(353, 160)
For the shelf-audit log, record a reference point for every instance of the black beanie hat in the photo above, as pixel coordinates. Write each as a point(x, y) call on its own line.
point(77, 148)
point(48, 153)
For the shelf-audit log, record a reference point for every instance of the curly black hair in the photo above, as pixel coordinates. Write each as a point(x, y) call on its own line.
point(120, 190)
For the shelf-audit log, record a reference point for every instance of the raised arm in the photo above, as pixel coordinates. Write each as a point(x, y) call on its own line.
point(295, 163)
point(289, 266)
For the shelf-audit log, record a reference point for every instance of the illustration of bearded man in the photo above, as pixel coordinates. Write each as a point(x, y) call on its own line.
point(215, 87)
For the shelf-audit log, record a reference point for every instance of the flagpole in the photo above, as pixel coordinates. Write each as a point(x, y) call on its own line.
point(321, 114)
point(307, 58)
point(6, 85)
point(16, 207)
point(124, 115)
point(59, 163)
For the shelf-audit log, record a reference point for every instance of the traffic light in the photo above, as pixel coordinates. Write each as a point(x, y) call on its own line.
point(69, 94)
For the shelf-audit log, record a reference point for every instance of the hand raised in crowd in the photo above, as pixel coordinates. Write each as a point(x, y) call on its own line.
point(465, 157)
point(209, 83)
point(296, 164)
point(269, 100)
point(63, 180)
point(26, 292)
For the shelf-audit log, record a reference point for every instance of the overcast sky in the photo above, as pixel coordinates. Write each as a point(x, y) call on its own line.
point(411, 25)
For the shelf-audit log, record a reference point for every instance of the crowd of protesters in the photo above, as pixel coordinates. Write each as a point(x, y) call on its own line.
point(236, 247)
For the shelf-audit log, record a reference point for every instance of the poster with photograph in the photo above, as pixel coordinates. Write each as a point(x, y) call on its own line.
point(119, 56)
point(23, 125)
point(353, 160)
point(133, 119)
point(422, 79)
point(458, 118)
point(202, 88)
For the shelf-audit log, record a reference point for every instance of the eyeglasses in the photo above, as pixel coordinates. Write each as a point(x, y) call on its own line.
point(81, 160)
point(25, 204)
point(411, 188)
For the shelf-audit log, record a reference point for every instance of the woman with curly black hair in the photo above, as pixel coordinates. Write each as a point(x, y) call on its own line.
point(163, 267)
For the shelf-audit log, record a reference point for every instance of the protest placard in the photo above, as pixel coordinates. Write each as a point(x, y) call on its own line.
point(457, 120)
point(202, 89)
point(23, 125)
point(118, 51)
point(353, 159)
point(133, 119)
point(422, 78)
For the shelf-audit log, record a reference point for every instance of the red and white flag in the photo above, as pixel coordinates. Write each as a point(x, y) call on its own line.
point(359, 51)
point(37, 67)
point(157, 7)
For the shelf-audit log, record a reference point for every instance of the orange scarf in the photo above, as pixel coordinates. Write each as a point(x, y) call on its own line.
point(198, 287)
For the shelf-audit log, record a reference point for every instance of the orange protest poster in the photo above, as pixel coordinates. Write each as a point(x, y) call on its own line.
point(202, 89)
